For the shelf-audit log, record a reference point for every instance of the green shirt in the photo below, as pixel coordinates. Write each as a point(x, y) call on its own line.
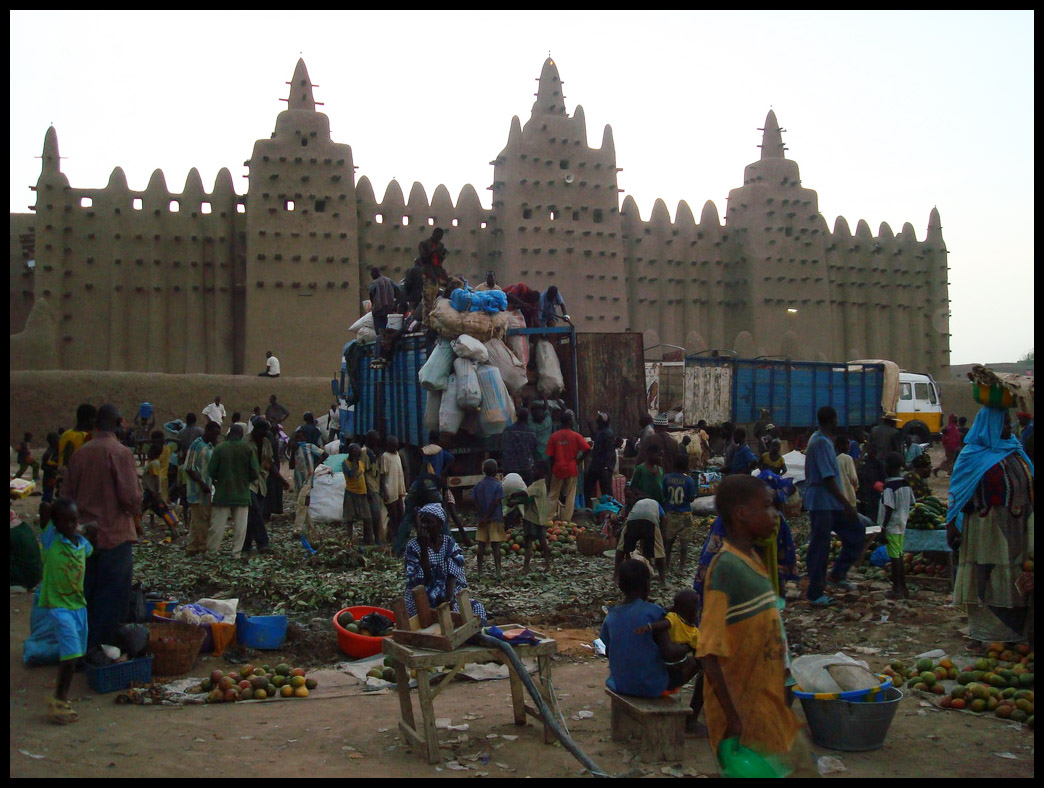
point(651, 484)
point(64, 566)
point(233, 466)
point(543, 430)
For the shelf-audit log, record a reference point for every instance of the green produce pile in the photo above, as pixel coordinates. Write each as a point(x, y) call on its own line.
point(929, 514)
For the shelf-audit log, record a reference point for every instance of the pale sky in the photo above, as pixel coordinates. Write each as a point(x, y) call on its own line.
point(887, 114)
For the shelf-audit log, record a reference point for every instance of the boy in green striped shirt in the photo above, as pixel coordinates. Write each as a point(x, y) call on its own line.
point(65, 554)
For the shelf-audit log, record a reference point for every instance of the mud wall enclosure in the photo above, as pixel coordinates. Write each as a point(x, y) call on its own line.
point(41, 401)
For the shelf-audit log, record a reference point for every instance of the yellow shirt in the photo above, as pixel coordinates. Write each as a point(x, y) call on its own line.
point(740, 625)
point(69, 442)
point(357, 484)
point(682, 633)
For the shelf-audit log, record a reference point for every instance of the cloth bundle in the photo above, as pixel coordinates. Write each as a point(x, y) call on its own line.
point(470, 301)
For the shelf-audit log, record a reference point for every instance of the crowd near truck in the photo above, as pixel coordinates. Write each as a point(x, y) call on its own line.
point(738, 390)
point(602, 372)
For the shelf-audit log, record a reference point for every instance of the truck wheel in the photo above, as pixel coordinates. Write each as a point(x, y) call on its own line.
point(919, 430)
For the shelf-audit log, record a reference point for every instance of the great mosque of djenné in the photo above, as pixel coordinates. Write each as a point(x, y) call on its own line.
point(206, 281)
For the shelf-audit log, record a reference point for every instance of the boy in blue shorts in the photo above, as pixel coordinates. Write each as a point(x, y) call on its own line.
point(65, 554)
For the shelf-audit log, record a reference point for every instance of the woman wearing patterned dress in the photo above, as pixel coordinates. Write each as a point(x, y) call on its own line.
point(434, 561)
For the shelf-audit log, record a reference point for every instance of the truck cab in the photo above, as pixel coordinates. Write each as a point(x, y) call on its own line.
point(919, 407)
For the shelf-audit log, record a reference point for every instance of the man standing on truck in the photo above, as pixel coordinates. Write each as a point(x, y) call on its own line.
point(829, 512)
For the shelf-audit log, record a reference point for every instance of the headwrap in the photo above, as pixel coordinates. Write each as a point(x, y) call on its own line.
point(922, 460)
point(434, 509)
point(661, 420)
point(983, 448)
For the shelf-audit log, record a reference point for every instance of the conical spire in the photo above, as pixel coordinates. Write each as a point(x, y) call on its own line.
point(550, 100)
point(934, 226)
point(51, 159)
point(301, 89)
point(772, 139)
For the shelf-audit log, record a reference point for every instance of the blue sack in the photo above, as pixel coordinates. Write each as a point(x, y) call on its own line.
point(489, 301)
point(879, 557)
point(461, 299)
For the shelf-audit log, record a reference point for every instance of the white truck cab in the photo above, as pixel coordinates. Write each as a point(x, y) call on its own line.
point(919, 407)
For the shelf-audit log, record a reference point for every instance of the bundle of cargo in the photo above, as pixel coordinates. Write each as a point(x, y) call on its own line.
point(483, 326)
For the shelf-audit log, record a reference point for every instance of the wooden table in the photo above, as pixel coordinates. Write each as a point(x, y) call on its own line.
point(405, 658)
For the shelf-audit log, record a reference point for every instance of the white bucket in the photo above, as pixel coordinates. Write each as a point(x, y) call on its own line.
point(394, 322)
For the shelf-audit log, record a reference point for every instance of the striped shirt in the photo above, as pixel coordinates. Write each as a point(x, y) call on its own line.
point(197, 459)
point(305, 458)
point(382, 293)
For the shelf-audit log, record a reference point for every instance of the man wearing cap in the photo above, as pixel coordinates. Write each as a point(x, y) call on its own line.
point(886, 437)
point(668, 445)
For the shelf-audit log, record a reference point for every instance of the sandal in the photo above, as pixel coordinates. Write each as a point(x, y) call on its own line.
point(844, 585)
point(823, 601)
point(60, 712)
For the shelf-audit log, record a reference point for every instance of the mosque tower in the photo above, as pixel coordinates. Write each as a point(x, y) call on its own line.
point(302, 269)
point(781, 284)
point(556, 210)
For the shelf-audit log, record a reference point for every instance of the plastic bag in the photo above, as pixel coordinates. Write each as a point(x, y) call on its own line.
point(488, 301)
point(550, 382)
point(512, 370)
point(810, 671)
point(327, 498)
point(132, 639)
point(496, 408)
point(468, 347)
point(461, 299)
point(436, 370)
point(450, 414)
point(377, 623)
point(469, 395)
point(136, 606)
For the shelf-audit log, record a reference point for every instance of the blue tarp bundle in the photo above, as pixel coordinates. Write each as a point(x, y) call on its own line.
point(485, 301)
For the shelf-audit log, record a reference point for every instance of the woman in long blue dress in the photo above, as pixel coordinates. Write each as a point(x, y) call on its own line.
point(436, 562)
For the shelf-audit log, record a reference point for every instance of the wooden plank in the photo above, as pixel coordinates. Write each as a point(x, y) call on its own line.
point(464, 605)
point(445, 618)
point(546, 689)
point(402, 682)
point(402, 617)
point(448, 677)
point(431, 737)
point(424, 612)
point(422, 640)
point(625, 400)
point(518, 698)
point(413, 738)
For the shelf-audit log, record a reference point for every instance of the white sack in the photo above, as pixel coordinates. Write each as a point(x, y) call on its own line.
point(512, 370)
point(494, 413)
point(519, 344)
point(450, 414)
point(327, 498)
point(468, 347)
point(469, 395)
point(436, 370)
point(432, 403)
point(550, 382)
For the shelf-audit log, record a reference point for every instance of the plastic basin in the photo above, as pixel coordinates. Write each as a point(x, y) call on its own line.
point(359, 646)
point(261, 632)
point(851, 726)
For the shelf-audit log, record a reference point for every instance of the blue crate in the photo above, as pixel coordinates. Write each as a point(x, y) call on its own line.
point(120, 676)
point(261, 632)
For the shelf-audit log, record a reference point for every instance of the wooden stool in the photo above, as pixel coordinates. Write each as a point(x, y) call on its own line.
point(658, 722)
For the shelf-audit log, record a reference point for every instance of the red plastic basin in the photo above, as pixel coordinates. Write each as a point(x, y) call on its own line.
point(359, 646)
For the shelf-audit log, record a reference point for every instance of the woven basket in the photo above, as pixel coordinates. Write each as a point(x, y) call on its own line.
point(174, 658)
point(993, 396)
point(592, 544)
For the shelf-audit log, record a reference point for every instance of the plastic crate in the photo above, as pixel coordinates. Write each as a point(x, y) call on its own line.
point(120, 676)
point(261, 632)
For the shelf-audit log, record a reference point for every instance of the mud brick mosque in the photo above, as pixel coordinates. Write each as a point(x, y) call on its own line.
point(203, 281)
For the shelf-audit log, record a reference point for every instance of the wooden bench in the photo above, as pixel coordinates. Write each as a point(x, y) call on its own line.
point(658, 722)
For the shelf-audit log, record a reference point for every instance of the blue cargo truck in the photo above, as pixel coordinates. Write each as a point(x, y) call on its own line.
point(720, 389)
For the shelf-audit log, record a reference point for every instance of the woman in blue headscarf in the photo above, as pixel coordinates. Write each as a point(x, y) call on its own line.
point(990, 523)
point(434, 560)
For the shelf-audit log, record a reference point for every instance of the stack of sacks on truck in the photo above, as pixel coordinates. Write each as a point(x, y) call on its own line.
point(471, 372)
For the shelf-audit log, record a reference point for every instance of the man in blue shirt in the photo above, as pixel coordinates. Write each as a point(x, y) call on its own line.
point(743, 459)
point(549, 299)
point(829, 512)
point(679, 491)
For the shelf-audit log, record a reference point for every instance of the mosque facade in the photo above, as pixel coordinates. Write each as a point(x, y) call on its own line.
point(202, 281)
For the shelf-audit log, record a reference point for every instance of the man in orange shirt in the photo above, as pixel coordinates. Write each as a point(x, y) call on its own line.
point(564, 448)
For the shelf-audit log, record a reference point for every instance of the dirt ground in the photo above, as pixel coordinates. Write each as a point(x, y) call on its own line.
point(342, 731)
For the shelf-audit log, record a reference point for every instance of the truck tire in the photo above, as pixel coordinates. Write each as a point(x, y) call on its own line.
point(919, 430)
